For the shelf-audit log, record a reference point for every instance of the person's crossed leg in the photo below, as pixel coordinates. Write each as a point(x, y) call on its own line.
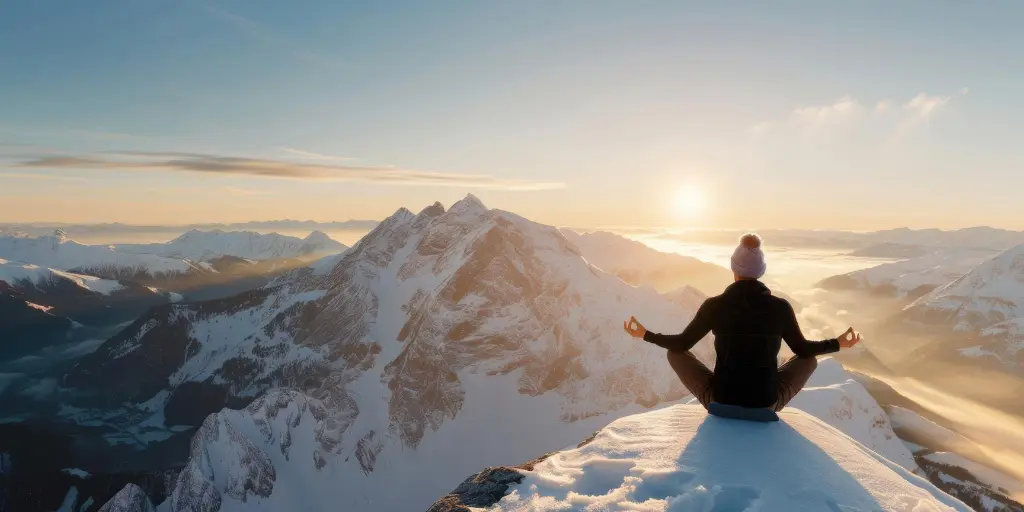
point(697, 378)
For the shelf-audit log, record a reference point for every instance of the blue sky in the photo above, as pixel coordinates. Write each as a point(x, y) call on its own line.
point(587, 113)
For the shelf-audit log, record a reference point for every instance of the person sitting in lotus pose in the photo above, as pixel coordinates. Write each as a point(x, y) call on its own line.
point(749, 324)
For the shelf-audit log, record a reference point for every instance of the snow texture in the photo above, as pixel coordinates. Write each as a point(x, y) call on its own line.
point(203, 246)
point(681, 459)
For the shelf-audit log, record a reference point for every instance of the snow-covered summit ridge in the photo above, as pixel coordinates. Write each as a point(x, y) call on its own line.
point(199, 245)
point(681, 459)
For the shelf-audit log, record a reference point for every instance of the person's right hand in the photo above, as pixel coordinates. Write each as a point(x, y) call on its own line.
point(849, 338)
point(634, 328)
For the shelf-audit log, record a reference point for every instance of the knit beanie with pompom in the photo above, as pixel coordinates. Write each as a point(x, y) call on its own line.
point(748, 259)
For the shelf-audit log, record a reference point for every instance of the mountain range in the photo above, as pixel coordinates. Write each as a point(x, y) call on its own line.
point(433, 324)
point(443, 342)
point(117, 230)
point(203, 246)
point(638, 264)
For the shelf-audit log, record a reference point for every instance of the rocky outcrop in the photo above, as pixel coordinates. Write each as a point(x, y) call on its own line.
point(130, 499)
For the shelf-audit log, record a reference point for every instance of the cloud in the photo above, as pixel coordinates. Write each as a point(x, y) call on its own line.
point(849, 112)
point(923, 104)
point(236, 191)
point(314, 156)
point(843, 108)
point(33, 176)
point(281, 169)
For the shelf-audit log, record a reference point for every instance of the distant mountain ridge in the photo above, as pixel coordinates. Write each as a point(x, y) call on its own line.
point(115, 229)
point(640, 265)
point(58, 251)
point(203, 246)
point(910, 278)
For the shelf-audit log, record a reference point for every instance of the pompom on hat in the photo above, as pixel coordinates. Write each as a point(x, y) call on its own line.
point(748, 258)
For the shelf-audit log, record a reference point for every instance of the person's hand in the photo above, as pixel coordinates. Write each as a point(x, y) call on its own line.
point(634, 328)
point(849, 338)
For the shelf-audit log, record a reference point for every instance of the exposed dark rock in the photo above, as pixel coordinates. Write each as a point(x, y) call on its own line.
point(488, 486)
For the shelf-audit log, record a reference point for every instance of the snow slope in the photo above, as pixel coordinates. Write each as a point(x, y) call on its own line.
point(22, 274)
point(58, 252)
point(912, 277)
point(833, 396)
point(639, 264)
point(985, 305)
point(206, 245)
point(681, 459)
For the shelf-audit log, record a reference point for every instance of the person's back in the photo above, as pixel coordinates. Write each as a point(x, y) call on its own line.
point(749, 325)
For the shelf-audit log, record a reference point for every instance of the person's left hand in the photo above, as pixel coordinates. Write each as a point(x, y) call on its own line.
point(634, 328)
point(849, 338)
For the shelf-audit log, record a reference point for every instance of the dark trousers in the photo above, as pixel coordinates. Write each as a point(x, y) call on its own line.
point(697, 378)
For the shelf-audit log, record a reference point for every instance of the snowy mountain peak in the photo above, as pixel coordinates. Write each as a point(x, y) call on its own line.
point(60, 235)
point(317, 236)
point(468, 204)
point(433, 210)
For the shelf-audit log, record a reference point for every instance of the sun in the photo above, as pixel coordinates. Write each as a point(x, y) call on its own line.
point(688, 201)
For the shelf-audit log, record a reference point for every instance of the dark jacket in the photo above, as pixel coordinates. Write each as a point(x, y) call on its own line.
point(749, 324)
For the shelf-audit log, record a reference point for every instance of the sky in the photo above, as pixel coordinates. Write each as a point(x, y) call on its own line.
point(785, 114)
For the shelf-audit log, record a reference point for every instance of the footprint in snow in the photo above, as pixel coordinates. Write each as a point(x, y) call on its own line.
point(660, 484)
point(720, 498)
point(602, 476)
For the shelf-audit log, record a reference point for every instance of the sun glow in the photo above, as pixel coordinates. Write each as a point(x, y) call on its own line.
point(688, 201)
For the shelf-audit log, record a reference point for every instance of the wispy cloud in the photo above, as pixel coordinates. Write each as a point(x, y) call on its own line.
point(843, 108)
point(848, 111)
point(923, 104)
point(281, 169)
point(266, 36)
point(34, 176)
point(314, 156)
